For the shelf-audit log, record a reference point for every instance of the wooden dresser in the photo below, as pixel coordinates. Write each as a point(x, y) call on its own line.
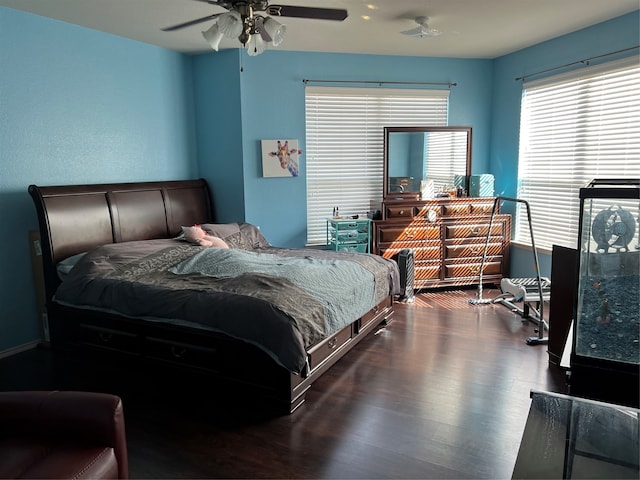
point(448, 237)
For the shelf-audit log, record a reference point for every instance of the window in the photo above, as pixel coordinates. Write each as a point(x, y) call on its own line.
point(574, 127)
point(344, 145)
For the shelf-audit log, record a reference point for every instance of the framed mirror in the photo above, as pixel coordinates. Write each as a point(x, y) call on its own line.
point(414, 154)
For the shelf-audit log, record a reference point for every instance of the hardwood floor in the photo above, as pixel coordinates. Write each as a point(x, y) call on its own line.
point(441, 392)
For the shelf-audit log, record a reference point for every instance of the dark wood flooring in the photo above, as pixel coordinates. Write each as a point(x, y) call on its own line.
point(441, 392)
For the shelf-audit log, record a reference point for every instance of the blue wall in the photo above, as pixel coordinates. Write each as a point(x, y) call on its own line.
point(217, 88)
point(272, 106)
point(79, 106)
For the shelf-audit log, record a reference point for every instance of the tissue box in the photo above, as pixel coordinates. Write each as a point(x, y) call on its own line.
point(481, 185)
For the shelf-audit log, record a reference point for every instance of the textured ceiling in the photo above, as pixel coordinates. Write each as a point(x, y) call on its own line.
point(470, 28)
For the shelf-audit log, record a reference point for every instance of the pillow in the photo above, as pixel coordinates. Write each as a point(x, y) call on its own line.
point(198, 236)
point(237, 235)
point(254, 235)
point(64, 267)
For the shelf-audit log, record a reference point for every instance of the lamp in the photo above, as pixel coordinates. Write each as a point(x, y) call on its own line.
point(256, 45)
point(213, 36)
point(231, 24)
point(255, 32)
point(275, 30)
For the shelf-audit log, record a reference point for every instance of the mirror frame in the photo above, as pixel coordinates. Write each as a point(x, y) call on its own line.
point(416, 195)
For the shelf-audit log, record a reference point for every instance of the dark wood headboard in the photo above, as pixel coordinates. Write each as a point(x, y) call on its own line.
point(76, 218)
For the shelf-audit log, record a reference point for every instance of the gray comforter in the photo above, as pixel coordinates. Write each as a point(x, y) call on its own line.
point(282, 300)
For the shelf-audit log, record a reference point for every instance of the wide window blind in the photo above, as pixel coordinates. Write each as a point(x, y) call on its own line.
point(344, 145)
point(574, 127)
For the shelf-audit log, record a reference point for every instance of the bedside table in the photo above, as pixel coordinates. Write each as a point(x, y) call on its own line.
point(349, 234)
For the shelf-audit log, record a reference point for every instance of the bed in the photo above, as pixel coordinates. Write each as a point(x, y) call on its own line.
point(121, 280)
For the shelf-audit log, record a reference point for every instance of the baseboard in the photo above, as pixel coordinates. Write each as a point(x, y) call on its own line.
point(20, 348)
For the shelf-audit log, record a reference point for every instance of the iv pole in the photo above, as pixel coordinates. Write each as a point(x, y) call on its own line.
point(540, 339)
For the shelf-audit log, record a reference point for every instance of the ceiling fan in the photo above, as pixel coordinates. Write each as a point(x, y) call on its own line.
point(254, 31)
point(423, 29)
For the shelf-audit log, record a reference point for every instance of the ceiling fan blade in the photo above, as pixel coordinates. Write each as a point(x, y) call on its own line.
point(191, 22)
point(212, 2)
point(261, 30)
point(307, 12)
point(422, 32)
point(413, 32)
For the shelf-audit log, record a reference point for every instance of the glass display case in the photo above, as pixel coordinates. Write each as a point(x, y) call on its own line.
point(607, 317)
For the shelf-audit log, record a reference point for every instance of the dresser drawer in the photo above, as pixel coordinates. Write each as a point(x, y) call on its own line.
point(357, 225)
point(320, 352)
point(420, 252)
point(482, 208)
point(456, 270)
point(424, 211)
point(388, 234)
point(472, 250)
point(349, 236)
point(472, 230)
point(351, 247)
point(456, 209)
point(405, 211)
point(427, 272)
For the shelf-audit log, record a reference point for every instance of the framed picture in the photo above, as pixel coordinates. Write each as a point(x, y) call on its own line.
point(280, 158)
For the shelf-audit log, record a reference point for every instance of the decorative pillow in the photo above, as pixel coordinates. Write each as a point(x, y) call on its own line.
point(198, 236)
point(253, 235)
point(237, 235)
point(64, 267)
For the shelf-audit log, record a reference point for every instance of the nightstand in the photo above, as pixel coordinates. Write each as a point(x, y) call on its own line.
point(349, 234)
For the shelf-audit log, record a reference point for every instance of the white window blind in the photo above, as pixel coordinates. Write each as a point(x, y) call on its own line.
point(344, 145)
point(574, 127)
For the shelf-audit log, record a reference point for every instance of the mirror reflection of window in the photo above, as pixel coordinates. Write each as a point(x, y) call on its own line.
point(413, 154)
point(447, 156)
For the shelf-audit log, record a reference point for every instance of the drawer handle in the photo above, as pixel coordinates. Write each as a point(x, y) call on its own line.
point(409, 234)
point(332, 343)
point(401, 212)
point(475, 269)
point(476, 249)
point(105, 337)
point(178, 352)
point(475, 231)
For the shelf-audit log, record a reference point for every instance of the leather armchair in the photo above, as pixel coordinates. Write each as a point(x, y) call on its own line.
point(62, 434)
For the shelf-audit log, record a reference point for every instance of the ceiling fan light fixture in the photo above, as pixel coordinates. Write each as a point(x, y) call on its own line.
point(256, 45)
point(275, 30)
point(213, 36)
point(231, 24)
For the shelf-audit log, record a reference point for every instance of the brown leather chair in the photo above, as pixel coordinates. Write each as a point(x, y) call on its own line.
point(62, 434)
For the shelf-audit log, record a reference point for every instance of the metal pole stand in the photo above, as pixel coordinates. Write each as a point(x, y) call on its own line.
point(542, 324)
